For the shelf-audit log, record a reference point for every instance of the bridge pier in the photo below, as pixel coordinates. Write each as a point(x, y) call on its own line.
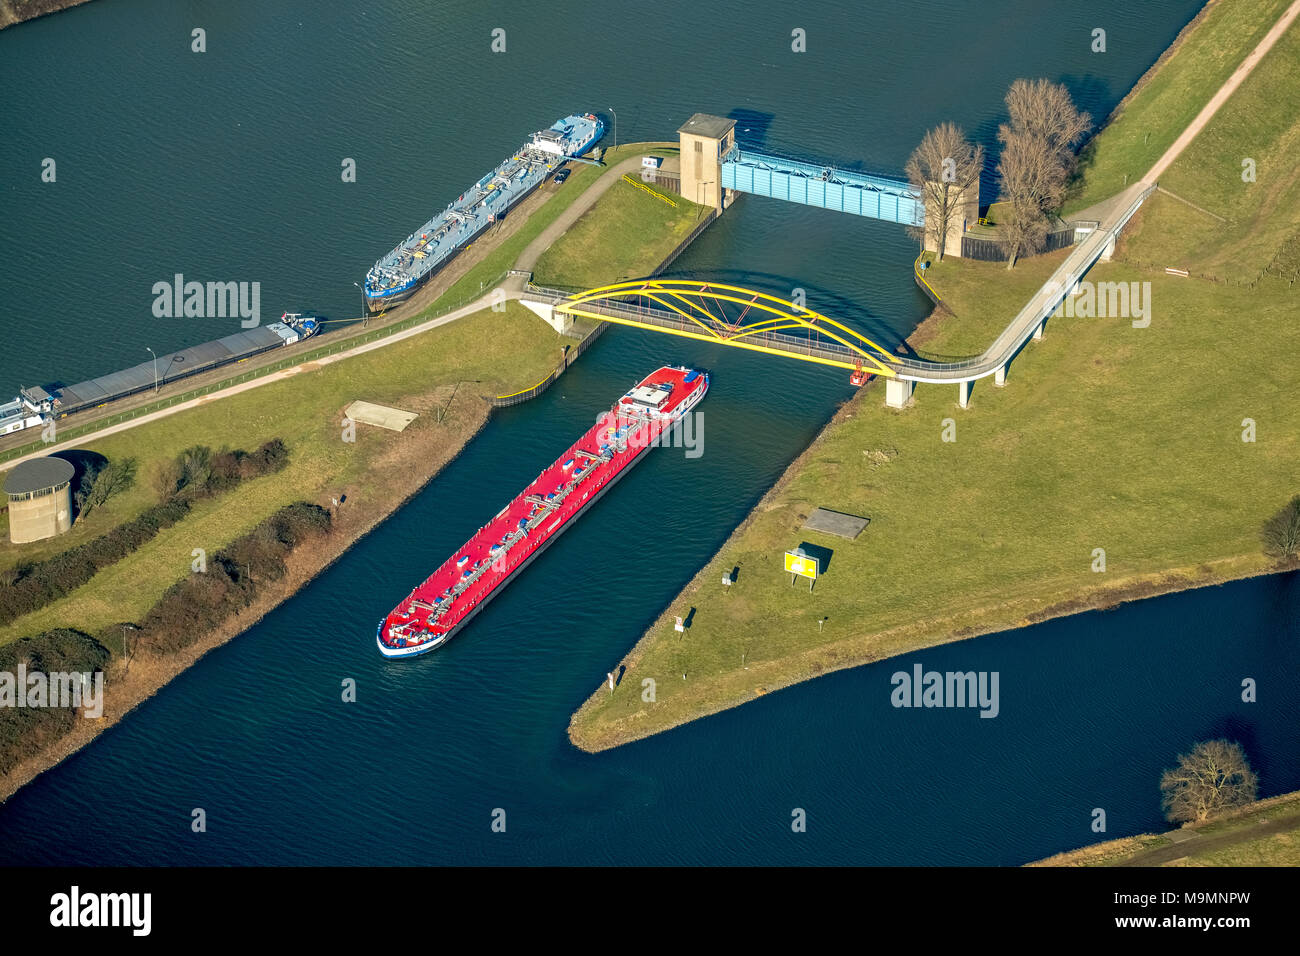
point(1038, 332)
point(560, 321)
point(897, 392)
point(963, 393)
point(1000, 376)
point(1107, 252)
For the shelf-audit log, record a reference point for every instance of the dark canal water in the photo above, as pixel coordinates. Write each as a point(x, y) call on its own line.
point(226, 165)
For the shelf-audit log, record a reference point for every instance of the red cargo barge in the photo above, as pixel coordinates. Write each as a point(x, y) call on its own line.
point(436, 610)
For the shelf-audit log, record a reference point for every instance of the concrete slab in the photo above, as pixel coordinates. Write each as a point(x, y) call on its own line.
point(367, 413)
point(836, 522)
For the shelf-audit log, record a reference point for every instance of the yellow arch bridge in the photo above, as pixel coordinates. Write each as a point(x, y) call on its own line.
point(729, 315)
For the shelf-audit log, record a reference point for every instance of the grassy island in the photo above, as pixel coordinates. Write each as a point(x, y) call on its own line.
point(1107, 436)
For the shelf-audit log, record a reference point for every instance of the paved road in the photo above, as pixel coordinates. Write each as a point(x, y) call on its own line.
point(1038, 308)
point(533, 251)
point(476, 306)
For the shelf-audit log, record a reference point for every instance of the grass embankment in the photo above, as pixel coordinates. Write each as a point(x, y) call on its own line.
point(561, 198)
point(1264, 834)
point(1245, 233)
point(626, 234)
point(481, 355)
point(487, 354)
point(1107, 436)
point(1169, 96)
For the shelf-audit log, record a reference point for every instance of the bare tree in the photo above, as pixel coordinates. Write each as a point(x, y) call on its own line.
point(1032, 183)
point(1282, 531)
point(1036, 162)
point(942, 168)
point(1214, 777)
point(1044, 111)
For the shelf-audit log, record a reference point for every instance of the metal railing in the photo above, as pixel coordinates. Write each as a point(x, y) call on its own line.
point(996, 356)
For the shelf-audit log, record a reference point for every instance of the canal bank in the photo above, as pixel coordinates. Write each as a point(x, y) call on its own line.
point(966, 536)
point(272, 733)
point(363, 476)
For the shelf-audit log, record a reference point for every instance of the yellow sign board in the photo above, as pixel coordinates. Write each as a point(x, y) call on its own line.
point(796, 562)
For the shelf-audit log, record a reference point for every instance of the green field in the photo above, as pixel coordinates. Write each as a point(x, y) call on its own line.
point(1249, 231)
point(1106, 437)
point(504, 256)
point(624, 235)
point(1169, 98)
point(486, 354)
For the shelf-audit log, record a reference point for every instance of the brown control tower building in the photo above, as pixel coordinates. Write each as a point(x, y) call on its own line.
point(704, 140)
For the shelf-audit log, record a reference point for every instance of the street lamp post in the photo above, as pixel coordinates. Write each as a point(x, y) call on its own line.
point(612, 110)
point(365, 313)
point(155, 368)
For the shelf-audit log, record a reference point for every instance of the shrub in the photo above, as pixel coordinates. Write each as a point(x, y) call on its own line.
point(202, 602)
point(24, 731)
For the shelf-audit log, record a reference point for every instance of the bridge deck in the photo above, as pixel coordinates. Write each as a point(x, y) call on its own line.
point(826, 352)
point(826, 187)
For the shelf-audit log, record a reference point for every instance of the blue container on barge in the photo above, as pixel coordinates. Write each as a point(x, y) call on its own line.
point(396, 276)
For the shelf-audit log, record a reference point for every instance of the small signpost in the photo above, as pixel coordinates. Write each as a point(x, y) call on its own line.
point(800, 564)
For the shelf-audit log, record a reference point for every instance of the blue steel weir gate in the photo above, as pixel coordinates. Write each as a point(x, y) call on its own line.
point(827, 187)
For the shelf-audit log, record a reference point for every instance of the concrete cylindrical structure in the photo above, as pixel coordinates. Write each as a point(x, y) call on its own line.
point(40, 499)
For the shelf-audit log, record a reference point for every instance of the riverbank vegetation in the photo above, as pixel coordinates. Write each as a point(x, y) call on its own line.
point(17, 11)
point(1266, 833)
point(1116, 464)
point(443, 375)
point(625, 235)
point(185, 613)
point(1211, 779)
point(26, 730)
point(194, 474)
point(1166, 100)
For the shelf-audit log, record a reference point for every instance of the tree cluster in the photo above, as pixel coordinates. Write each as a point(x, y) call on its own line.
point(25, 730)
point(1281, 533)
point(1037, 161)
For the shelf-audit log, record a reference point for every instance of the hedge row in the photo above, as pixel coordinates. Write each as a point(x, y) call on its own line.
point(36, 585)
point(196, 473)
point(25, 730)
point(186, 612)
point(202, 601)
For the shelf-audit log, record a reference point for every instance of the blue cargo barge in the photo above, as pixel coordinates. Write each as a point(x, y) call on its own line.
point(396, 276)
